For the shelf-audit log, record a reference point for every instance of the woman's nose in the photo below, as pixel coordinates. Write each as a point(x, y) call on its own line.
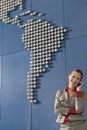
point(74, 79)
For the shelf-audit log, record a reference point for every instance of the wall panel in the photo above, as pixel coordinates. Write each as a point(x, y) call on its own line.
point(76, 53)
point(76, 56)
point(0, 87)
point(15, 108)
point(1, 37)
point(43, 116)
point(53, 10)
point(13, 33)
point(75, 17)
point(12, 39)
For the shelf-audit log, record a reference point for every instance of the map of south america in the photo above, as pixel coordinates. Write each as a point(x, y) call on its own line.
point(41, 39)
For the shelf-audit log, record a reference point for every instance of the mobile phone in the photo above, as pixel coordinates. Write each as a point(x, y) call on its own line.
point(78, 84)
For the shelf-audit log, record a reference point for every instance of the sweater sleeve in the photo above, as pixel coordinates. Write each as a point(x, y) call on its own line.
point(79, 103)
point(84, 95)
point(67, 119)
point(58, 108)
point(78, 94)
point(72, 111)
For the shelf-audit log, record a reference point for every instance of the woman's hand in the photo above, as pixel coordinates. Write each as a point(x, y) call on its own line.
point(79, 87)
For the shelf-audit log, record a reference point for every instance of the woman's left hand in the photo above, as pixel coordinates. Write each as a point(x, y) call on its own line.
point(80, 86)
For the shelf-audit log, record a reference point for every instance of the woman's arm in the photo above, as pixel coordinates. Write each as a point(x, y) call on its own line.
point(58, 108)
point(79, 102)
point(84, 96)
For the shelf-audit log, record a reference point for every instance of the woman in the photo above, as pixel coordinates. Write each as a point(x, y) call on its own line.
point(69, 103)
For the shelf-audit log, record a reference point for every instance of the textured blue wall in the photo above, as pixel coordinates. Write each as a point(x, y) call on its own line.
point(16, 112)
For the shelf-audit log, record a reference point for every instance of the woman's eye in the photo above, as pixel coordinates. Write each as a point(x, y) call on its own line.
point(73, 76)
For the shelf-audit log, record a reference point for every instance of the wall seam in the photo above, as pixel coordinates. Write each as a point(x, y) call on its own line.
point(13, 52)
point(65, 45)
point(1, 71)
point(31, 103)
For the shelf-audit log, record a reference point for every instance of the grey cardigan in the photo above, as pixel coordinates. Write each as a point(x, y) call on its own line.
point(63, 105)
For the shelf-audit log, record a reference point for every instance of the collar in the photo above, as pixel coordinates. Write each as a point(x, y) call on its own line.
point(67, 89)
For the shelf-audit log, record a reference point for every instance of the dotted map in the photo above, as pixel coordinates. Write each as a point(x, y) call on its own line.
point(41, 39)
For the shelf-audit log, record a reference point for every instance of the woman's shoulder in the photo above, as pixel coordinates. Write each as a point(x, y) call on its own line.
point(84, 95)
point(60, 92)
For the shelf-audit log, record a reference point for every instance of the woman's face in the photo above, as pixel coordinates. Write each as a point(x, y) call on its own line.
point(74, 78)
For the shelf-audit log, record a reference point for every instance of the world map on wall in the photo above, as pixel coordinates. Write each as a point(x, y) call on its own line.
point(41, 39)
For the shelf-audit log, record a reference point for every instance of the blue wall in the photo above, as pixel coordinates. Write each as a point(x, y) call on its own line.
point(16, 112)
